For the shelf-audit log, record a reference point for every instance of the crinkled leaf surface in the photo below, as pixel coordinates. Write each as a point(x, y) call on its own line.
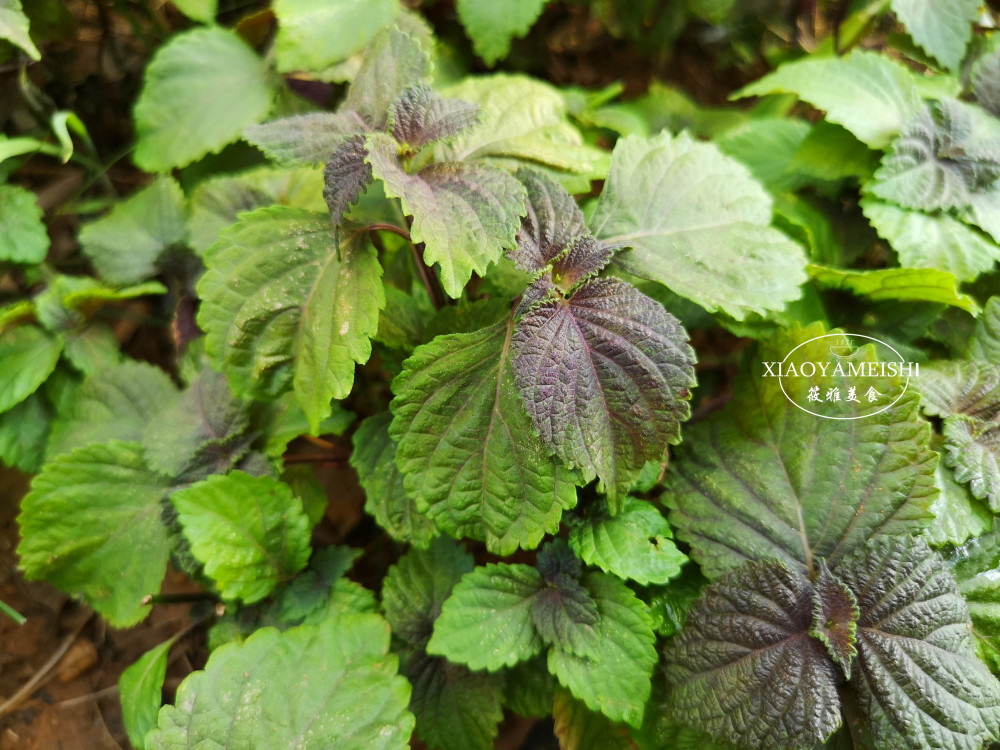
point(951, 387)
point(419, 116)
point(918, 680)
point(985, 80)
point(552, 222)
point(465, 213)
point(939, 159)
point(697, 222)
point(307, 139)
point(91, 526)
point(466, 445)
point(345, 176)
point(281, 305)
point(523, 120)
point(114, 404)
point(310, 687)
point(745, 668)
point(14, 27)
point(491, 26)
point(23, 238)
point(486, 622)
point(374, 459)
point(870, 94)
point(975, 565)
point(957, 514)
point(125, 245)
point(393, 61)
point(200, 433)
point(835, 618)
point(456, 709)
point(985, 343)
point(942, 27)
point(973, 447)
point(617, 682)
point(250, 533)
point(937, 240)
point(564, 614)
point(28, 355)
point(763, 479)
point(604, 375)
point(140, 689)
point(315, 34)
point(635, 544)
point(201, 89)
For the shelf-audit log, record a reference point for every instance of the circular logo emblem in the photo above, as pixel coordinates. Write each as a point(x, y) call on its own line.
point(843, 376)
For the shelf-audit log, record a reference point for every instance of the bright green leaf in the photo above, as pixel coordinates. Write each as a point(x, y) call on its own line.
point(311, 687)
point(492, 25)
point(200, 90)
point(250, 533)
point(957, 515)
point(870, 94)
point(140, 689)
point(198, 10)
point(283, 305)
point(617, 682)
point(697, 222)
point(14, 27)
point(902, 284)
point(374, 459)
point(125, 245)
point(932, 240)
point(23, 238)
point(471, 459)
point(315, 34)
point(486, 622)
point(942, 27)
point(24, 431)
point(975, 567)
point(91, 526)
point(635, 545)
point(28, 355)
point(985, 343)
point(766, 146)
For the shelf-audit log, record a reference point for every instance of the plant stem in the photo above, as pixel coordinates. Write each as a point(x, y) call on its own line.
point(379, 227)
point(12, 613)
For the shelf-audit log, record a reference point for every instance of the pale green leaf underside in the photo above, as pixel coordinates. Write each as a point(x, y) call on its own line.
point(486, 622)
point(14, 27)
point(198, 10)
point(617, 683)
point(523, 119)
point(310, 687)
point(764, 479)
point(467, 448)
point(307, 139)
point(125, 245)
point(903, 284)
point(140, 689)
point(91, 526)
point(942, 27)
point(869, 94)
point(957, 515)
point(23, 238)
point(280, 308)
point(491, 26)
point(635, 545)
point(201, 89)
point(250, 533)
point(936, 241)
point(465, 213)
point(315, 34)
point(973, 449)
point(698, 223)
point(374, 459)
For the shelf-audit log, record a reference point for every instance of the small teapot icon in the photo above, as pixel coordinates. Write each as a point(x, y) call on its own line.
point(845, 350)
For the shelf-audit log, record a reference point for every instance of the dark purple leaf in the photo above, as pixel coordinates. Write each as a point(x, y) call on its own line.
point(345, 177)
point(835, 618)
point(604, 375)
point(583, 257)
point(419, 116)
point(553, 221)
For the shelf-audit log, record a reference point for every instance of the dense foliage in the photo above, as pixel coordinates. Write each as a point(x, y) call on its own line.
point(485, 289)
